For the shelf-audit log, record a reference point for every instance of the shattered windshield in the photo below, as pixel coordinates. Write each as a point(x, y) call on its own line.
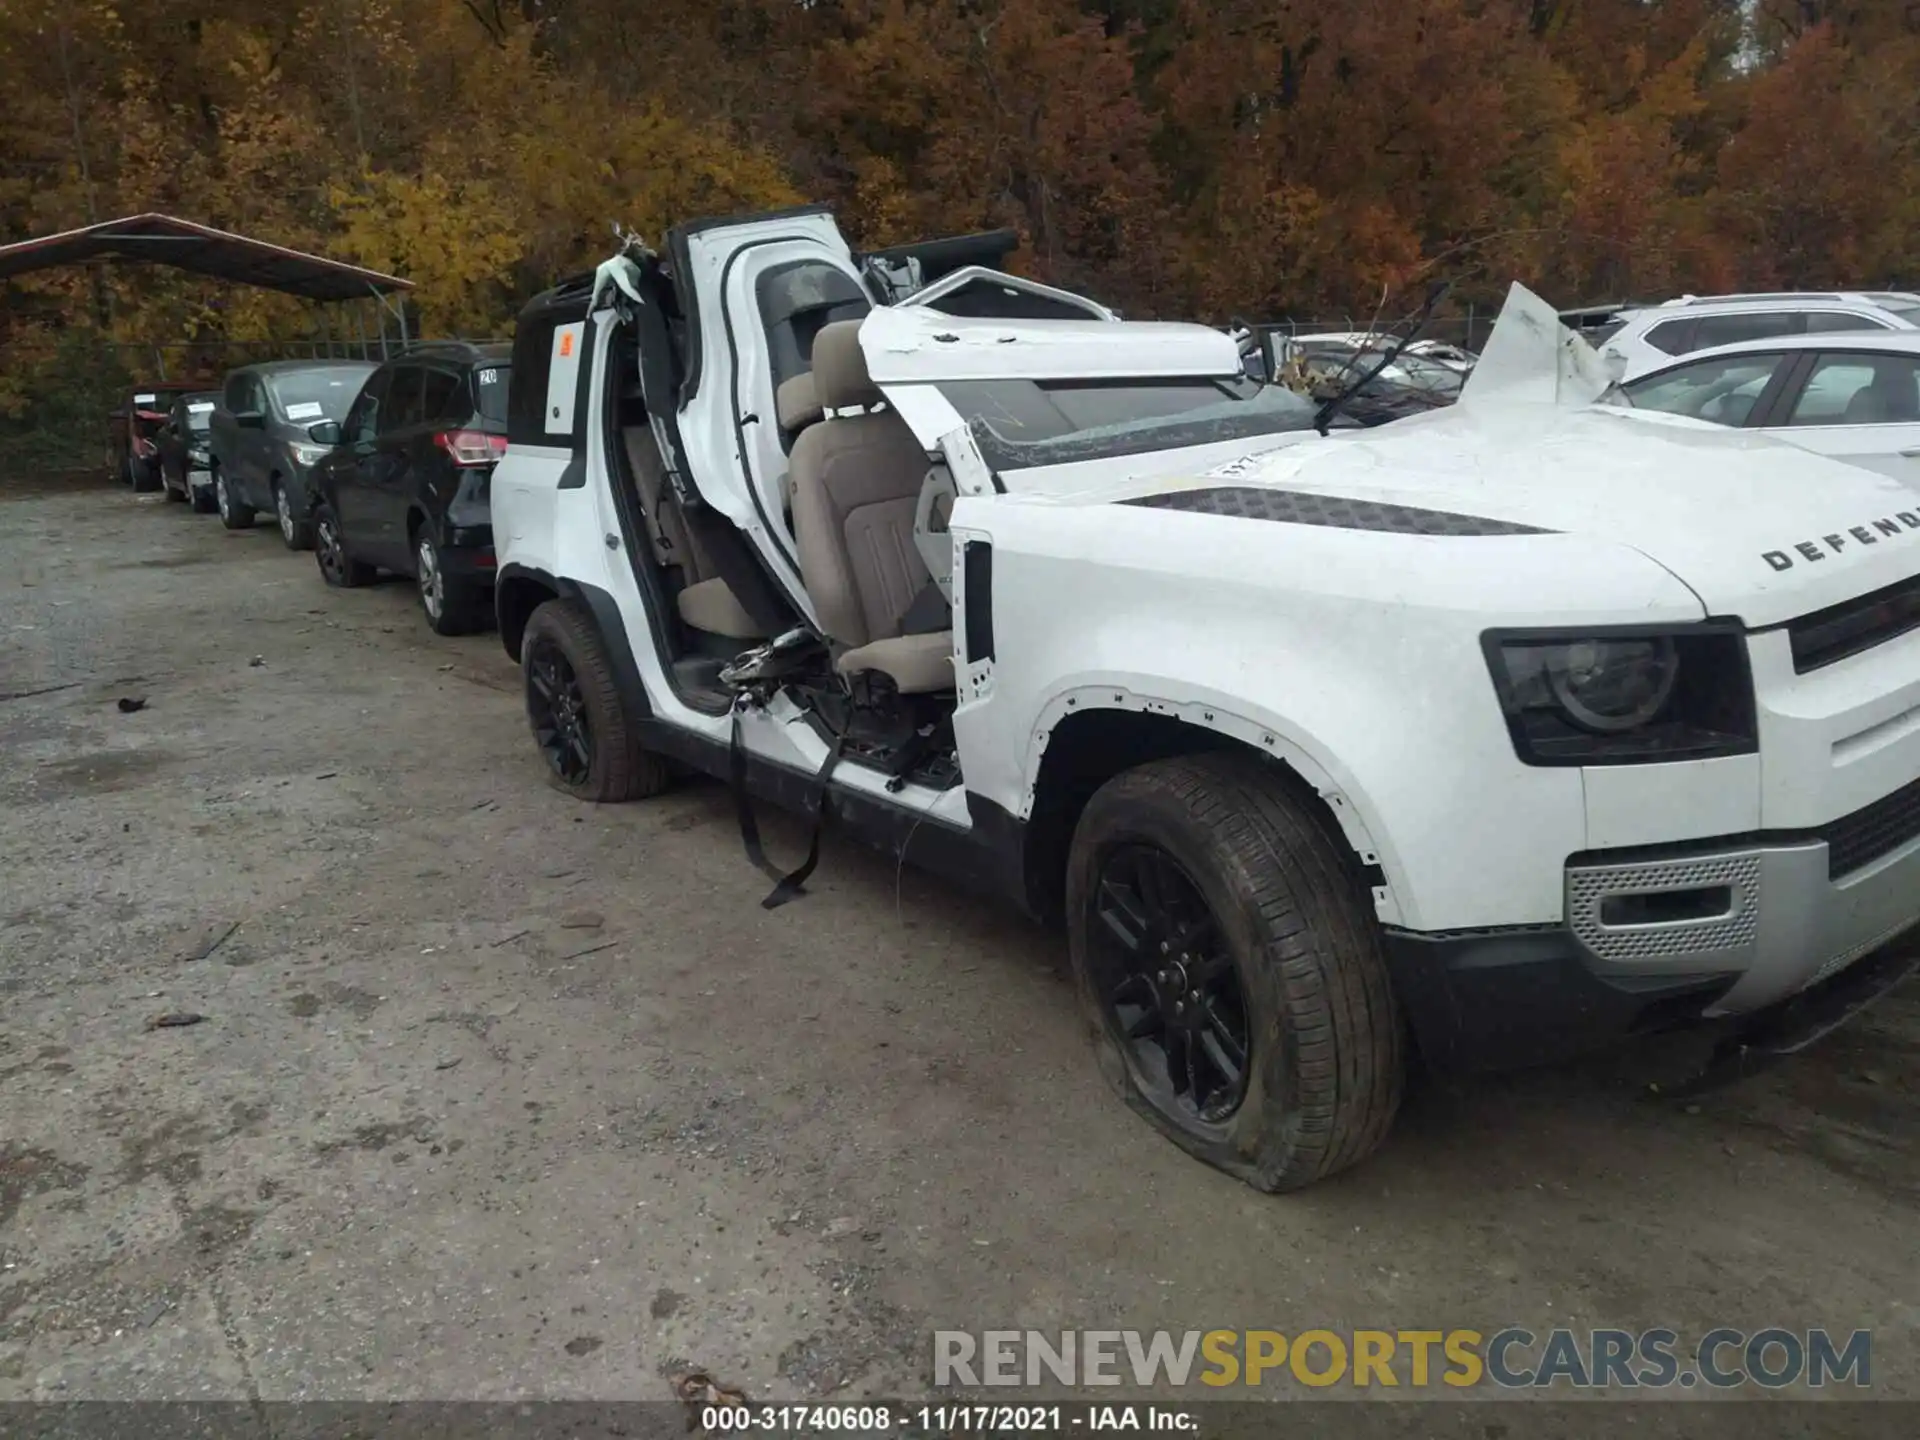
point(1020, 424)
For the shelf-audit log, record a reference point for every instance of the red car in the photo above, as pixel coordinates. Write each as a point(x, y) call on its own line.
point(134, 429)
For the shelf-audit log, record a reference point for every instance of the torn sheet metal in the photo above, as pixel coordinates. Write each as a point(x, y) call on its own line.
point(910, 344)
point(1531, 358)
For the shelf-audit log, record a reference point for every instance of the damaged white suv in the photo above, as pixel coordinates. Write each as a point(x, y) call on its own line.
point(1491, 734)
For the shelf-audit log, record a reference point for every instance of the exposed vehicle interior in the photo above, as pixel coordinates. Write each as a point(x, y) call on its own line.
point(878, 678)
point(1723, 391)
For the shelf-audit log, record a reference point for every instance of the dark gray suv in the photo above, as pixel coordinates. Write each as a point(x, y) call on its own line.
point(262, 442)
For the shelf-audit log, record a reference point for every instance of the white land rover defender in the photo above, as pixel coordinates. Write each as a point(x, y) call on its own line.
point(1491, 734)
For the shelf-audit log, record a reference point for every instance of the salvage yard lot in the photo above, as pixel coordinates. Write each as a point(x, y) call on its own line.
point(497, 1094)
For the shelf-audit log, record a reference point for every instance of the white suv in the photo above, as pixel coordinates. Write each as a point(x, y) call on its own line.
point(1648, 339)
point(1494, 733)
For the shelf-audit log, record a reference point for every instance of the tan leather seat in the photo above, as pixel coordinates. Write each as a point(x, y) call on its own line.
point(796, 404)
point(705, 601)
point(856, 481)
point(917, 664)
point(711, 605)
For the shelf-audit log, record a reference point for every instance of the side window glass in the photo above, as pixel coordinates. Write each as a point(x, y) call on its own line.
point(235, 397)
point(437, 392)
point(402, 407)
point(362, 422)
point(1672, 337)
point(527, 384)
point(1723, 390)
point(1733, 329)
point(1834, 322)
point(1860, 390)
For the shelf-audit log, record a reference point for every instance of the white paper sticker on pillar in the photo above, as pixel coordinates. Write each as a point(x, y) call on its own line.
point(563, 377)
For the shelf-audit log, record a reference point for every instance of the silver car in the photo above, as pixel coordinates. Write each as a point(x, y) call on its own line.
point(262, 442)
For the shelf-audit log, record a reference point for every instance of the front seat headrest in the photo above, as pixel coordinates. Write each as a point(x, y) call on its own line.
point(797, 403)
point(840, 378)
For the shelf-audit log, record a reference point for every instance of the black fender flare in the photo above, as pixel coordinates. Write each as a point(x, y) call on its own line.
point(605, 614)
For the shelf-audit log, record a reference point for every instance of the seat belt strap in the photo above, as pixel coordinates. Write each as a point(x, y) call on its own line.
point(790, 884)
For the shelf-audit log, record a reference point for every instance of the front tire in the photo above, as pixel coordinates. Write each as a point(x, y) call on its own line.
point(233, 514)
point(146, 477)
point(338, 568)
point(1229, 961)
point(574, 708)
point(295, 529)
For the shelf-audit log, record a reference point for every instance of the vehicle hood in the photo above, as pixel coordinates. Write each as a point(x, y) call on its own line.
point(1757, 529)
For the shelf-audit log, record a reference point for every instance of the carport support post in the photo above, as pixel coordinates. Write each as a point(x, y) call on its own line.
point(399, 313)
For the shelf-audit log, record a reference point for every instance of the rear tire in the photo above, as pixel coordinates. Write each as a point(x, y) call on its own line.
point(338, 568)
point(1276, 932)
point(452, 605)
point(579, 721)
point(295, 529)
point(233, 514)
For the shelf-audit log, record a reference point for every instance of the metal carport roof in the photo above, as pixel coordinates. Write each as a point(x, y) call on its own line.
point(166, 240)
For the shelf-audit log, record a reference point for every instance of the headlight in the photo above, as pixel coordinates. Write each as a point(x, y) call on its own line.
point(311, 454)
point(1624, 695)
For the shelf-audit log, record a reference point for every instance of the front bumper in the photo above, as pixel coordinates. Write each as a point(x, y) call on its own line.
point(1733, 935)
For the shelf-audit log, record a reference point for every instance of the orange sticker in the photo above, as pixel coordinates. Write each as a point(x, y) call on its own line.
point(566, 343)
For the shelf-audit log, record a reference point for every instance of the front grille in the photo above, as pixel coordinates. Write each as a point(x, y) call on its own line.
point(1830, 635)
point(1859, 839)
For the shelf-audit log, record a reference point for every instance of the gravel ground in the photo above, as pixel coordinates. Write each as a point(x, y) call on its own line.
point(498, 1095)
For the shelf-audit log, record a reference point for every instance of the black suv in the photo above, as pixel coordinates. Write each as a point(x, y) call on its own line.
point(185, 461)
point(405, 486)
point(262, 442)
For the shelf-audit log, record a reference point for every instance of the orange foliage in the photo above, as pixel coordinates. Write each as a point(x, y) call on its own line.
point(1181, 157)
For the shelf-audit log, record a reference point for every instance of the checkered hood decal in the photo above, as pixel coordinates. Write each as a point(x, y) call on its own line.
point(1292, 507)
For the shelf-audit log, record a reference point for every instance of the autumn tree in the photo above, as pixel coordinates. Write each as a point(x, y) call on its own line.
point(1816, 186)
point(931, 117)
point(1208, 158)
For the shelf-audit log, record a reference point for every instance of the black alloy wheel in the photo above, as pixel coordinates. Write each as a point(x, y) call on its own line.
point(558, 709)
point(1167, 984)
